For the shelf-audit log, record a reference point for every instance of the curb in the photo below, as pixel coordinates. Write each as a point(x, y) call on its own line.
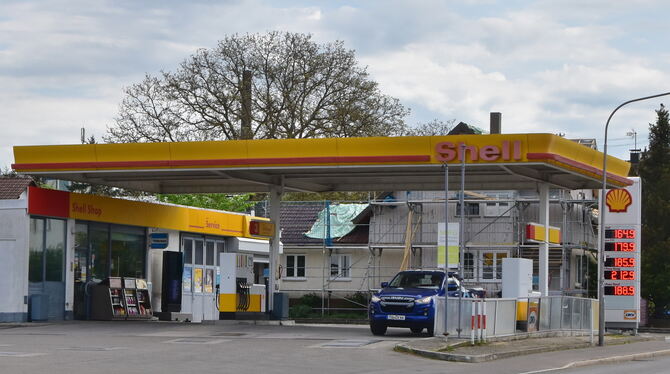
point(259, 322)
point(469, 358)
point(11, 325)
point(613, 359)
point(473, 359)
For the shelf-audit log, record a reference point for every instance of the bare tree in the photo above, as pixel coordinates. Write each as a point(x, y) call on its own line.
point(434, 127)
point(300, 89)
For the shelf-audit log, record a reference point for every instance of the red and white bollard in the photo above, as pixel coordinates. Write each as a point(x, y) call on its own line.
point(472, 322)
point(478, 321)
point(483, 330)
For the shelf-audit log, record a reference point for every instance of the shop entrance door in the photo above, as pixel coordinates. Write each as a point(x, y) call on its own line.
point(200, 277)
point(46, 265)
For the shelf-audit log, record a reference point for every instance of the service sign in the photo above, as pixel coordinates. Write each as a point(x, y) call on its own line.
point(622, 256)
point(261, 228)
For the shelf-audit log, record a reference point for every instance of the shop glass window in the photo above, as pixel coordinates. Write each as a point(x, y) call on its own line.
point(220, 248)
point(295, 266)
point(128, 251)
point(80, 252)
point(188, 251)
point(55, 247)
point(99, 237)
point(197, 251)
point(36, 250)
point(46, 249)
point(209, 253)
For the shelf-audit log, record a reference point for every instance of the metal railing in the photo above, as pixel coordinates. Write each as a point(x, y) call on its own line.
point(506, 317)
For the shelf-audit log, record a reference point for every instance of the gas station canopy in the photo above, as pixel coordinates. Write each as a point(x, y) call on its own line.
point(493, 162)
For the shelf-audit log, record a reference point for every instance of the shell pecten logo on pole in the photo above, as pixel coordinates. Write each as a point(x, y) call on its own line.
point(618, 200)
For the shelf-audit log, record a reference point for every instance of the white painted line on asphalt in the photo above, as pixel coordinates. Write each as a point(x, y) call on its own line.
point(92, 349)
point(196, 341)
point(358, 344)
point(20, 354)
point(604, 360)
point(349, 343)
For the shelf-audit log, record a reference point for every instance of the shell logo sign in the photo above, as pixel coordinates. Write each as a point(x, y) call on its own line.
point(618, 200)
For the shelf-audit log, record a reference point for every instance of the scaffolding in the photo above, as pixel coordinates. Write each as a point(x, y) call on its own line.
point(403, 233)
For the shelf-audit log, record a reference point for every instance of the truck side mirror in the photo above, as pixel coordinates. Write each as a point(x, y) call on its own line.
point(385, 284)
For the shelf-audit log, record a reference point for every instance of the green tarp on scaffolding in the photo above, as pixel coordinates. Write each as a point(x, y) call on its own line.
point(341, 216)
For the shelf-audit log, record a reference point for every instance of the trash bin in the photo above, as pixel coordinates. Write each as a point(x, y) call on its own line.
point(39, 307)
point(280, 306)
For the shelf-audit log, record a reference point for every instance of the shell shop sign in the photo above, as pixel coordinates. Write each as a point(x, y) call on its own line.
point(506, 151)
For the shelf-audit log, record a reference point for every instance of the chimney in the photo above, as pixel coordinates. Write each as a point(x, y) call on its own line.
point(495, 123)
point(634, 156)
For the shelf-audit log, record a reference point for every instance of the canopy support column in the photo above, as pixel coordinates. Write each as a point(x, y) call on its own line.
point(275, 272)
point(543, 255)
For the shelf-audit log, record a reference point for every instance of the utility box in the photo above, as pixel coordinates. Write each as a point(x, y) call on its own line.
point(280, 306)
point(517, 277)
point(39, 307)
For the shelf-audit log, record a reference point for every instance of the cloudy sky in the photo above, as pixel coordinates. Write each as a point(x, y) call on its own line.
point(548, 66)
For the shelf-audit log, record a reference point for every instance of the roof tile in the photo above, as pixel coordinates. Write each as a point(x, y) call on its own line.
point(13, 187)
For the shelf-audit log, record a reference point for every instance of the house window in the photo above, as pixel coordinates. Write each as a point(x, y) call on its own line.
point(468, 266)
point(580, 276)
point(471, 209)
point(492, 265)
point(295, 266)
point(340, 266)
point(497, 208)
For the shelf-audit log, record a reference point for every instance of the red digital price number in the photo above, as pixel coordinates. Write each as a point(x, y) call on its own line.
point(620, 247)
point(620, 290)
point(620, 234)
point(620, 262)
point(620, 274)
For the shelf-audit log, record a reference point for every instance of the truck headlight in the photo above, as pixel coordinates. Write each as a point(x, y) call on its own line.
point(375, 299)
point(425, 300)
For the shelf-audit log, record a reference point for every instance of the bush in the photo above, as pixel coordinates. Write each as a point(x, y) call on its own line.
point(300, 311)
point(311, 299)
point(359, 298)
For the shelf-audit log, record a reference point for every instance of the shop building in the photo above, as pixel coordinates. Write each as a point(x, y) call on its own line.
point(57, 245)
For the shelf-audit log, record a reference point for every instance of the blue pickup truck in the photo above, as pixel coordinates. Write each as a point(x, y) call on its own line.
point(408, 300)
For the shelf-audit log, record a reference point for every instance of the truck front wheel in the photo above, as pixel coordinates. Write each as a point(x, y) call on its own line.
point(377, 329)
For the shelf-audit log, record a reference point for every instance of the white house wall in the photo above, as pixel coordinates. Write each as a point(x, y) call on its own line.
point(317, 271)
point(14, 234)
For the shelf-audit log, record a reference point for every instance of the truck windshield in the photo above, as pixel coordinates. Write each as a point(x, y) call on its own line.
point(432, 280)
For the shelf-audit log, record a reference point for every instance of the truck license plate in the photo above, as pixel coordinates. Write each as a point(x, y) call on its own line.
point(396, 317)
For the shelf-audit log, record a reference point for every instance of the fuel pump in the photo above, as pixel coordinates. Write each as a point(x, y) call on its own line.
point(237, 295)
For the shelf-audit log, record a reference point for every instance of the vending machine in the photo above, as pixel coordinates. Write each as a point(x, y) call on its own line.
point(238, 297)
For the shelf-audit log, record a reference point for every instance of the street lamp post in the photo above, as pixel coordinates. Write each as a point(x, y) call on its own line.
point(446, 245)
point(601, 225)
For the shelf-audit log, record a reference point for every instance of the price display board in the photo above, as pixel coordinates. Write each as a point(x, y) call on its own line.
point(621, 252)
point(620, 247)
point(620, 262)
point(620, 233)
point(621, 274)
point(620, 290)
